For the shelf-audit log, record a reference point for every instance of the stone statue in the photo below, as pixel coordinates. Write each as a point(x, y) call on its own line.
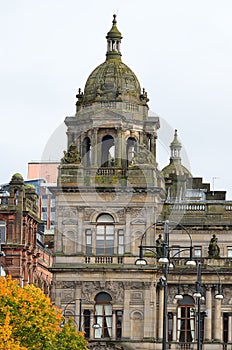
point(159, 243)
point(72, 156)
point(142, 156)
point(213, 250)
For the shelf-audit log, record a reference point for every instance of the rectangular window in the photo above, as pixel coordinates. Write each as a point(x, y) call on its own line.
point(229, 251)
point(119, 324)
point(197, 252)
point(120, 242)
point(88, 241)
point(87, 323)
point(2, 232)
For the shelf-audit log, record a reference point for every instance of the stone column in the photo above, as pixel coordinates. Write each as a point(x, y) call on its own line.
point(94, 148)
point(147, 311)
point(124, 155)
point(154, 315)
point(230, 327)
point(127, 233)
point(208, 319)
point(92, 322)
point(119, 148)
point(217, 320)
point(126, 333)
point(174, 326)
point(114, 325)
point(161, 307)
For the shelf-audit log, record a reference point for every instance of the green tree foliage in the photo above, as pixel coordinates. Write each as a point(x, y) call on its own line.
point(28, 320)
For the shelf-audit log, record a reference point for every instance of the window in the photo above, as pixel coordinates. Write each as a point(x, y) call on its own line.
point(229, 252)
point(105, 235)
point(186, 320)
point(103, 316)
point(119, 324)
point(197, 252)
point(87, 323)
point(120, 242)
point(2, 232)
point(88, 241)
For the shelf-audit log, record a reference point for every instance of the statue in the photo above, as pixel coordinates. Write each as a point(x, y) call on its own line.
point(142, 156)
point(214, 250)
point(159, 244)
point(72, 156)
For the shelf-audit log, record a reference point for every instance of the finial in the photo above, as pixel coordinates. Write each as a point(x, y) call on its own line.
point(114, 20)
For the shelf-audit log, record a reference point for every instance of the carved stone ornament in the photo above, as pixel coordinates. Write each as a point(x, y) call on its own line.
point(115, 289)
point(69, 213)
point(68, 284)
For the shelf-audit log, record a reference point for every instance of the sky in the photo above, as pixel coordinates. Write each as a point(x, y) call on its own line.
point(181, 52)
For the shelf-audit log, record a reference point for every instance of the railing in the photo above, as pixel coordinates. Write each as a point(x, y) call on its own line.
point(104, 259)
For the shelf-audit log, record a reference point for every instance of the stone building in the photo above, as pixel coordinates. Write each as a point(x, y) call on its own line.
point(23, 253)
point(111, 198)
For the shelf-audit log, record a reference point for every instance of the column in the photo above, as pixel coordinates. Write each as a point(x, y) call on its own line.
point(208, 319)
point(217, 320)
point(94, 148)
point(154, 316)
point(114, 325)
point(174, 326)
point(124, 155)
point(161, 307)
point(148, 324)
point(229, 328)
point(126, 331)
point(119, 148)
point(127, 233)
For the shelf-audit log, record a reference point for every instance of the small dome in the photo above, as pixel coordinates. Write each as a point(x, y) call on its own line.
point(175, 168)
point(17, 178)
point(111, 81)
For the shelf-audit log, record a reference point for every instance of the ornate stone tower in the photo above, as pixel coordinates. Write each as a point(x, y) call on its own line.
point(109, 192)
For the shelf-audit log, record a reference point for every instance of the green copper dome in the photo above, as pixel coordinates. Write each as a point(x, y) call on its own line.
point(112, 80)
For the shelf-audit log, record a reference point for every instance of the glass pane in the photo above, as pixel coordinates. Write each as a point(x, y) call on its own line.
point(120, 250)
point(105, 218)
point(109, 230)
point(120, 239)
point(100, 229)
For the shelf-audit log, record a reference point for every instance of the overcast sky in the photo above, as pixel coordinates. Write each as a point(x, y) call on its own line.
point(180, 50)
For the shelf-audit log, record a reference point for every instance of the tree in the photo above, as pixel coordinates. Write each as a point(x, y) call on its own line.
point(30, 321)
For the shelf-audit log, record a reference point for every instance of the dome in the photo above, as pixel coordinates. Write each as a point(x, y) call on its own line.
point(175, 168)
point(112, 80)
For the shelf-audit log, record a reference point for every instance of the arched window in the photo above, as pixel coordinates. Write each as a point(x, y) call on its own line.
point(131, 149)
point(86, 151)
point(103, 315)
point(186, 320)
point(105, 235)
point(108, 151)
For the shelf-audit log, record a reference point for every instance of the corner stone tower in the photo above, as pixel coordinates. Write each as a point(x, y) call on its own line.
point(109, 192)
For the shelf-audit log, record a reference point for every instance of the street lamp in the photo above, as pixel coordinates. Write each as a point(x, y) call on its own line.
point(199, 296)
point(164, 259)
point(80, 311)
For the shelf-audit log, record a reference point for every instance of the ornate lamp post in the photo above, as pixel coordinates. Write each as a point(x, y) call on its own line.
point(165, 260)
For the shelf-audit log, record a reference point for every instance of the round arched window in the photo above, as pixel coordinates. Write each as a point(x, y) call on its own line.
point(105, 235)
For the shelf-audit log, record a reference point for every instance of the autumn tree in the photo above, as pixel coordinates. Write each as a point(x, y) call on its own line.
point(28, 320)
